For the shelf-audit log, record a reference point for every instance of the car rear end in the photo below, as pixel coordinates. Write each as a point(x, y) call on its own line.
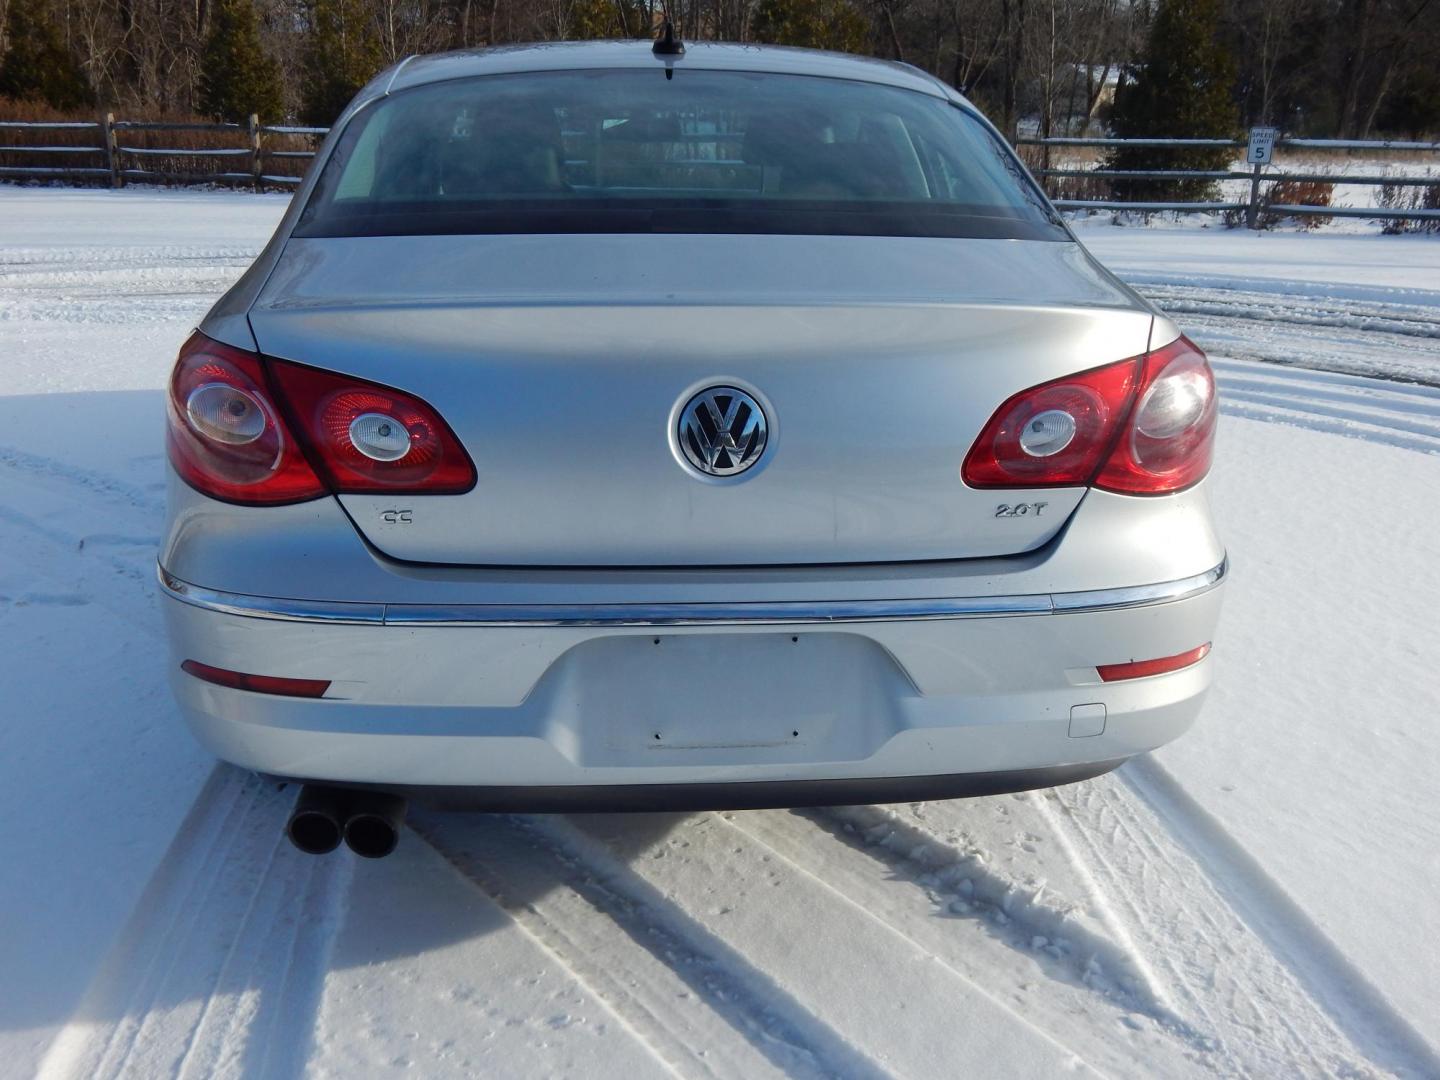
point(594, 437)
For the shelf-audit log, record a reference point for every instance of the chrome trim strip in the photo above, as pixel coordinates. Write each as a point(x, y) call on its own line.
point(780, 612)
point(690, 614)
point(269, 607)
point(1141, 595)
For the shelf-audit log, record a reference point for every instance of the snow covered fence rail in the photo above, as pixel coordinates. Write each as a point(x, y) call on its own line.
point(251, 153)
point(27, 129)
point(1253, 206)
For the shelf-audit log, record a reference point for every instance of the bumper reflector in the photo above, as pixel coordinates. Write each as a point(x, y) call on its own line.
point(1138, 669)
point(258, 684)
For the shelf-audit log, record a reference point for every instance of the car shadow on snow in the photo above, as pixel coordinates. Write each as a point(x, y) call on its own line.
point(959, 883)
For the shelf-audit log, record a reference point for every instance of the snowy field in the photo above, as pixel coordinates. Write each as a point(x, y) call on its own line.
point(1258, 899)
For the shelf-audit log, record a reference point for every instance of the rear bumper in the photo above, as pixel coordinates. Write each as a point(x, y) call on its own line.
point(747, 795)
point(570, 705)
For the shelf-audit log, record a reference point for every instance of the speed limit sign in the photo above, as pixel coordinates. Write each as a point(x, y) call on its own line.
point(1262, 145)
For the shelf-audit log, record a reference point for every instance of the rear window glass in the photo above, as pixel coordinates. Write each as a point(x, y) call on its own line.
point(703, 152)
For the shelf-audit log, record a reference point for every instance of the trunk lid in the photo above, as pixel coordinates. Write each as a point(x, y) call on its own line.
point(562, 363)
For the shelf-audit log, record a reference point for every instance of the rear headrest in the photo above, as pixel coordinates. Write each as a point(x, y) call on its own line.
point(506, 152)
point(774, 139)
point(406, 163)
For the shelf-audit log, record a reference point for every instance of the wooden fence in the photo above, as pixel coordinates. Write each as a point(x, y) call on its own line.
point(1255, 206)
point(110, 151)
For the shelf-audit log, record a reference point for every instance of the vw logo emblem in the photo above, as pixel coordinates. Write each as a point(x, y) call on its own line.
point(722, 431)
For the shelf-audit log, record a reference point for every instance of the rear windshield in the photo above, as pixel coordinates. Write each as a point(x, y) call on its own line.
point(702, 152)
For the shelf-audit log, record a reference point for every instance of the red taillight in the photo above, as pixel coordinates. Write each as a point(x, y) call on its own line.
point(1053, 435)
point(258, 684)
point(225, 436)
point(1170, 439)
point(244, 434)
point(1138, 669)
point(1087, 428)
point(370, 438)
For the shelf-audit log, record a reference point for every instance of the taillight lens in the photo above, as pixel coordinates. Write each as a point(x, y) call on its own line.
point(264, 432)
point(370, 438)
point(225, 436)
point(1141, 426)
point(1170, 441)
point(1053, 435)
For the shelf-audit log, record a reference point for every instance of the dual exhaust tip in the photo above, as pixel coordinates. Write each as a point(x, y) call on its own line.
point(367, 821)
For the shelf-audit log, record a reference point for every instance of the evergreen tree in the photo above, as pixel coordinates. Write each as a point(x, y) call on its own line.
point(342, 54)
point(813, 24)
point(37, 66)
point(1182, 90)
point(236, 77)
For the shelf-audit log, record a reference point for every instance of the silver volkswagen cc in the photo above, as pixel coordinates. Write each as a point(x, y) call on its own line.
point(609, 426)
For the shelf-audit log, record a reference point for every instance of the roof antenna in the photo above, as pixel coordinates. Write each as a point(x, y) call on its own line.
point(667, 44)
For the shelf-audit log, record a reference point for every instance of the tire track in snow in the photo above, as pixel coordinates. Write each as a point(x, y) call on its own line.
point(85, 258)
point(1187, 967)
point(1350, 1001)
point(89, 481)
point(219, 971)
point(959, 880)
point(1293, 309)
point(1243, 1010)
point(1317, 332)
point(1090, 981)
point(115, 285)
point(50, 507)
point(59, 556)
point(267, 1029)
point(1375, 410)
point(792, 923)
point(1253, 1017)
point(1350, 429)
point(676, 986)
point(1397, 397)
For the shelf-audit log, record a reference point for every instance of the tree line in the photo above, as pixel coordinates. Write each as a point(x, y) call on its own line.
point(1347, 68)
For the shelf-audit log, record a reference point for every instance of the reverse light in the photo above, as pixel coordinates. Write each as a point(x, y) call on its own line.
point(1170, 441)
point(262, 432)
point(225, 437)
point(225, 414)
point(1048, 433)
point(380, 437)
point(257, 684)
point(1141, 426)
point(1138, 669)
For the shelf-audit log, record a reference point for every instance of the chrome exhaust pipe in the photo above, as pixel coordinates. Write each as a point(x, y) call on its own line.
point(317, 823)
point(373, 828)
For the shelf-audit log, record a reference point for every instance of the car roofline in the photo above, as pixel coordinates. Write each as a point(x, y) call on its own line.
point(421, 70)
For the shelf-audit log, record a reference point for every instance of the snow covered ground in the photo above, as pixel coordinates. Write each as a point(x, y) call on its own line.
point(1258, 899)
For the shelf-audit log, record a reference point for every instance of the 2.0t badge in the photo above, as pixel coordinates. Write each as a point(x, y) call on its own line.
point(722, 431)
